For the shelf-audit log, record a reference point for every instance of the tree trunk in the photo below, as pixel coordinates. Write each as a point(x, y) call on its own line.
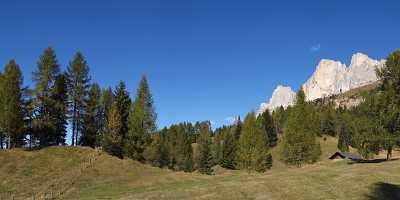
point(73, 125)
point(389, 153)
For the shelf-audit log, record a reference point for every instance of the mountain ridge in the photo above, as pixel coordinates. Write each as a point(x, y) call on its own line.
point(330, 77)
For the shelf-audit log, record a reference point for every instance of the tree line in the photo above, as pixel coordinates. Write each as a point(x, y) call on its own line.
point(108, 118)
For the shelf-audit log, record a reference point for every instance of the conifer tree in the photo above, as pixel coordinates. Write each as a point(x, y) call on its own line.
point(92, 119)
point(204, 162)
point(180, 152)
point(150, 116)
point(278, 118)
point(13, 121)
point(59, 97)
point(107, 100)
point(229, 150)
point(123, 102)
point(137, 138)
point(156, 153)
point(44, 77)
point(269, 128)
point(299, 140)
point(2, 115)
point(78, 81)
point(253, 148)
point(389, 112)
point(112, 138)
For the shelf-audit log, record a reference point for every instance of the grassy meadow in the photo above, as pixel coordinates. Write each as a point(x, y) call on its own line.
point(28, 173)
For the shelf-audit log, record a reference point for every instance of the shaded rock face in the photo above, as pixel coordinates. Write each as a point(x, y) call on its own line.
point(330, 78)
point(282, 96)
point(333, 77)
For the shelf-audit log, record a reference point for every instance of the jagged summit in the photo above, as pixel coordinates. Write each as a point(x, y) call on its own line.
point(282, 96)
point(330, 77)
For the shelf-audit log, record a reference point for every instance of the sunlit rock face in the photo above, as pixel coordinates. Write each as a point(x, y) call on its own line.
point(333, 77)
point(282, 96)
point(330, 78)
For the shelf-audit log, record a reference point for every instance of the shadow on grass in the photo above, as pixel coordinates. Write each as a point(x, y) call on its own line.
point(372, 161)
point(384, 191)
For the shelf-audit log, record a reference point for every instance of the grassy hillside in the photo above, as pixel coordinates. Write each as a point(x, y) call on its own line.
point(26, 173)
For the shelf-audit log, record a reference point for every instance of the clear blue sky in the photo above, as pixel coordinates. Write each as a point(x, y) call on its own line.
point(205, 59)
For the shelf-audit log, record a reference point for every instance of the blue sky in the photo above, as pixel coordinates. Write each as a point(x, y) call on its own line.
point(205, 60)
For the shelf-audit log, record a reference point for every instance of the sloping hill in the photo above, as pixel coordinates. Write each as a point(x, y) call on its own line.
point(25, 173)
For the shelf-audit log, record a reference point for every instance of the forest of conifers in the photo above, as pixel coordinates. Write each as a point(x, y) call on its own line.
point(40, 115)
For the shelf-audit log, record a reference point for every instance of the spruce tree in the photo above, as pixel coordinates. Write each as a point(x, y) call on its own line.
point(44, 78)
point(12, 101)
point(78, 81)
point(229, 150)
point(299, 140)
point(150, 116)
point(269, 128)
point(204, 162)
point(112, 139)
point(107, 99)
point(59, 97)
point(92, 119)
point(123, 102)
point(137, 138)
point(253, 148)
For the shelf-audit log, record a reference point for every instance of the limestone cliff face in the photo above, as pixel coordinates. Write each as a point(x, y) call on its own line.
point(333, 77)
point(282, 96)
point(330, 78)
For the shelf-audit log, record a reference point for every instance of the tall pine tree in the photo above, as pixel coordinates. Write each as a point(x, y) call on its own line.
point(137, 138)
point(269, 128)
point(204, 160)
point(59, 109)
point(44, 78)
point(13, 121)
point(78, 81)
point(92, 119)
point(253, 147)
point(299, 141)
point(123, 102)
point(150, 116)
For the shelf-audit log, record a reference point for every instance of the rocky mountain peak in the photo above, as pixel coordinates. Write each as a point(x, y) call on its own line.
point(282, 96)
point(330, 77)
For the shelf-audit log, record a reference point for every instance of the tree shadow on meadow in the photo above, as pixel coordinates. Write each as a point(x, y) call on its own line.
point(384, 191)
point(380, 160)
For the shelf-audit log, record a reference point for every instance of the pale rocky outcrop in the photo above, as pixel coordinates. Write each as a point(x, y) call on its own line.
point(330, 78)
point(333, 77)
point(282, 96)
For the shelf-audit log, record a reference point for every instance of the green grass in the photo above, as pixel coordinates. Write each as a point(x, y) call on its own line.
point(25, 173)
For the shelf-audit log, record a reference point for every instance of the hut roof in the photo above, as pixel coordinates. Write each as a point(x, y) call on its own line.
point(346, 155)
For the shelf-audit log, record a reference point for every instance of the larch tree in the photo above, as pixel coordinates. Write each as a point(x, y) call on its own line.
point(156, 153)
point(92, 120)
point(300, 144)
point(253, 146)
point(137, 138)
point(78, 82)
point(389, 90)
point(12, 101)
point(112, 138)
point(44, 77)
